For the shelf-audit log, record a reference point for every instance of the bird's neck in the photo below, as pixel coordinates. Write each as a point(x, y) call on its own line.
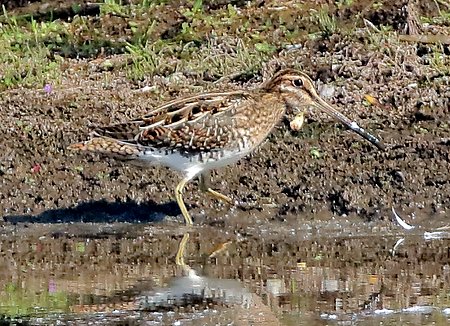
point(258, 121)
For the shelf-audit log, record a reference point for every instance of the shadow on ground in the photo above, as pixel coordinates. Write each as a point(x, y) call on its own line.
point(102, 212)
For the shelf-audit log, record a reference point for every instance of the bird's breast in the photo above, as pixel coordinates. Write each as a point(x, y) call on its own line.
point(256, 122)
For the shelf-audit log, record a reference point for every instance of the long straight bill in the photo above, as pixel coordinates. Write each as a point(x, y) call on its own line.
point(328, 109)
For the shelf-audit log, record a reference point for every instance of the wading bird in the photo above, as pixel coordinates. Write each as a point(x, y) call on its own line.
point(196, 134)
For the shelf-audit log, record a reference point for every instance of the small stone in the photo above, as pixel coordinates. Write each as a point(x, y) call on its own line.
point(327, 91)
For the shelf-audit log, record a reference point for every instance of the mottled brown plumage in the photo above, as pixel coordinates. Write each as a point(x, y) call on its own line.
point(207, 131)
point(203, 123)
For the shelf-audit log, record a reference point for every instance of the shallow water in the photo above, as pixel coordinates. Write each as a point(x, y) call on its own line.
point(320, 273)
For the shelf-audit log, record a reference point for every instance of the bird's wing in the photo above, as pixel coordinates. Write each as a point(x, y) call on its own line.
point(202, 122)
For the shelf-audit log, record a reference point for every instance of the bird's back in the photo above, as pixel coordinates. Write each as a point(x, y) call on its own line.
point(203, 127)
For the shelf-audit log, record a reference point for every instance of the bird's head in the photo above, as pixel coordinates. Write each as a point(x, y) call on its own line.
point(298, 91)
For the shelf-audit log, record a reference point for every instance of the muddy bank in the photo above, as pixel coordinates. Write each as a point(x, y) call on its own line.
point(321, 168)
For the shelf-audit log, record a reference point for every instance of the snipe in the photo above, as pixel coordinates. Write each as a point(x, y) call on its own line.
point(206, 131)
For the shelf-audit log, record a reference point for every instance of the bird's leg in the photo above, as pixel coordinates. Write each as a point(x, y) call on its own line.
point(179, 258)
point(179, 197)
point(204, 186)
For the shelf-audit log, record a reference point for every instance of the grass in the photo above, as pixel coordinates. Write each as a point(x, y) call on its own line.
point(225, 57)
point(114, 7)
point(33, 52)
point(220, 41)
point(146, 60)
point(443, 17)
point(325, 21)
point(440, 61)
point(26, 57)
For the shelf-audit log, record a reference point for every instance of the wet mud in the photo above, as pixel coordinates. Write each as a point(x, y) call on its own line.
point(319, 169)
point(85, 239)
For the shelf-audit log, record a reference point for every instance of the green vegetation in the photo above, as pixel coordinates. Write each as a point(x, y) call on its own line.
point(33, 52)
point(156, 38)
point(24, 59)
point(315, 153)
point(444, 14)
point(326, 22)
point(114, 7)
point(440, 61)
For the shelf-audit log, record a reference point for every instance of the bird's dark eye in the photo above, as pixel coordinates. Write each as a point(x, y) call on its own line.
point(297, 82)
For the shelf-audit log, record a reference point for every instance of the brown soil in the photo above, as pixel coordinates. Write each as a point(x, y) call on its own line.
point(39, 176)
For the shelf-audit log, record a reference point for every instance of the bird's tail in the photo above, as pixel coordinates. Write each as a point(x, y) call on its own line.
point(107, 146)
